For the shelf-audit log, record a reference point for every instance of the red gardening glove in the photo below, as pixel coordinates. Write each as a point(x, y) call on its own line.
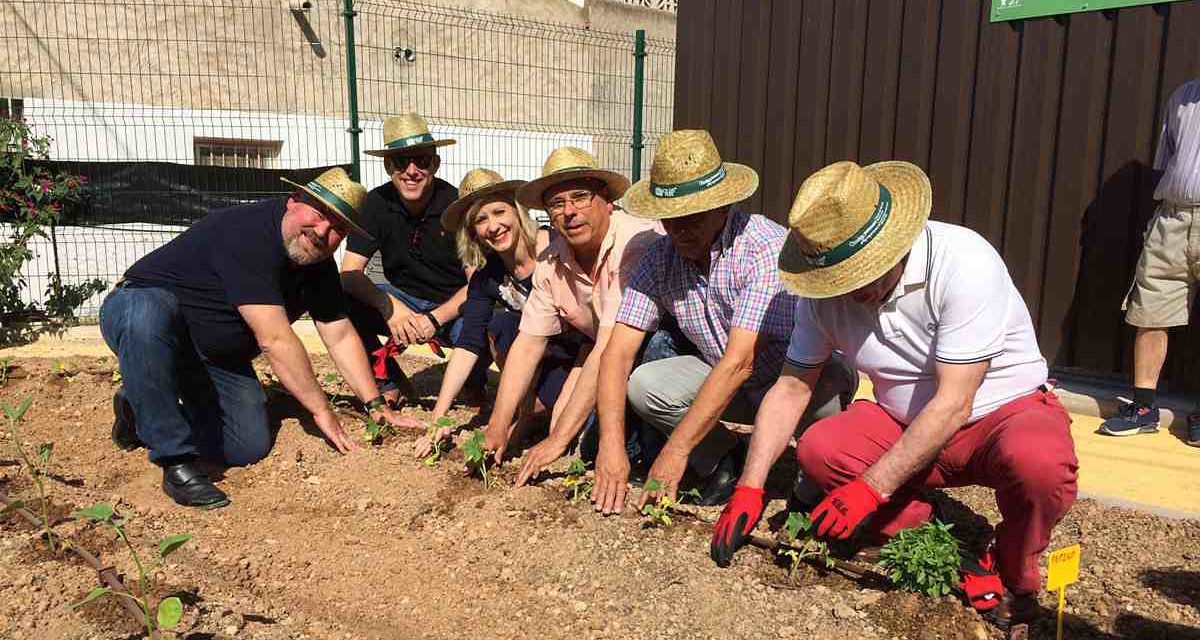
point(980, 584)
point(379, 358)
point(738, 519)
point(844, 510)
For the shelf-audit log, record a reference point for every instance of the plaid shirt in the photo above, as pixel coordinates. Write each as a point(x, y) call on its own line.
point(741, 289)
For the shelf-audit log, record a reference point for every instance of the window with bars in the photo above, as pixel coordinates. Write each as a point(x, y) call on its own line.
point(227, 152)
point(12, 107)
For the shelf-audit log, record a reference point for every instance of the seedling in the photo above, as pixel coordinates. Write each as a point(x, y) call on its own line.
point(576, 480)
point(661, 509)
point(437, 444)
point(5, 364)
point(476, 456)
point(799, 544)
point(374, 432)
point(116, 376)
point(331, 378)
point(169, 610)
point(35, 465)
point(924, 559)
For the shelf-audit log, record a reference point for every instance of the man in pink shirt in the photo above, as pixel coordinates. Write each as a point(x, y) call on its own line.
point(577, 284)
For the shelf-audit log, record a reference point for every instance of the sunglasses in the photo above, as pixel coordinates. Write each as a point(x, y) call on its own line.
point(423, 161)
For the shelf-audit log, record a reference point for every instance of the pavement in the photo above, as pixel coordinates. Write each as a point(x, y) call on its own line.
point(1156, 472)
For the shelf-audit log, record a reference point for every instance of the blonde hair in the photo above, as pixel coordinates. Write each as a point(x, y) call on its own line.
point(472, 251)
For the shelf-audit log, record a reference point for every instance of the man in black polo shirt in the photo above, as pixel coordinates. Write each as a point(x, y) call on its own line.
point(188, 318)
point(426, 282)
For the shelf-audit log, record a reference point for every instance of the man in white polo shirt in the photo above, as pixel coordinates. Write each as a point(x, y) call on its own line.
point(928, 311)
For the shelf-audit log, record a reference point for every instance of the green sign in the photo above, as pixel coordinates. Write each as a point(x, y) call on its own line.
point(1019, 9)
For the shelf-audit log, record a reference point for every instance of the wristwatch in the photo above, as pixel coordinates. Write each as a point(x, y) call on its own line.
point(376, 403)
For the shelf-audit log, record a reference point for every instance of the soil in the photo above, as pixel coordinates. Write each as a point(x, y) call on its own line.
point(378, 545)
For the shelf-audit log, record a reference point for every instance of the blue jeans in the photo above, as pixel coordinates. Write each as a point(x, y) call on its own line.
point(183, 404)
point(370, 325)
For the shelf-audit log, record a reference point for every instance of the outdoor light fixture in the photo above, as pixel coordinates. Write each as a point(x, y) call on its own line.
point(303, 6)
point(404, 54)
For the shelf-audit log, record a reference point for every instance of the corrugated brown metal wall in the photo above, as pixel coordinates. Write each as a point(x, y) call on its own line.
point(1038, 134)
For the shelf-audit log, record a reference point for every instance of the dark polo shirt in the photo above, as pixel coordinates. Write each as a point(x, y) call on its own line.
point(232, 257)
point(418, 255)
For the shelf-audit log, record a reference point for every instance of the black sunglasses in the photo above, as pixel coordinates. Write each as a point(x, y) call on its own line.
point(423, 161)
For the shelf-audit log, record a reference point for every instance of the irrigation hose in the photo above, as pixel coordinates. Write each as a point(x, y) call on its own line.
point(107, 574)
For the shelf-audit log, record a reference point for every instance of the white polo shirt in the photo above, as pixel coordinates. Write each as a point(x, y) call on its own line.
point(955, 303)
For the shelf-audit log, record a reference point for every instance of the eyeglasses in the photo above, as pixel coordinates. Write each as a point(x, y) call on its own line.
point(423, 161)
point(580, 201)
point(323, 211)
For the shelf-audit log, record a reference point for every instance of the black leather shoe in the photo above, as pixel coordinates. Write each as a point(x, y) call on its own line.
point(718, 486)
point(124, 430)
point(189, 486)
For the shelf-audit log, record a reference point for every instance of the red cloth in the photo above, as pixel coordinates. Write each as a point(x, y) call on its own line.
point(390, 349)
point(1023, 450)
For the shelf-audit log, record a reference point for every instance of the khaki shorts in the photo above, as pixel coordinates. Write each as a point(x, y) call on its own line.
point(1164, 283)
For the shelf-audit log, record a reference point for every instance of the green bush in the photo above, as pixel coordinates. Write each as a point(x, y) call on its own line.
point(923, 559)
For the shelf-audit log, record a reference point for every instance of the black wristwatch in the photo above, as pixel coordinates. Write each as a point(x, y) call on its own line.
point(437, 326)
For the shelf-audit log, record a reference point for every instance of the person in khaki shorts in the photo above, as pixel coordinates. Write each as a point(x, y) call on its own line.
point(1164, 283)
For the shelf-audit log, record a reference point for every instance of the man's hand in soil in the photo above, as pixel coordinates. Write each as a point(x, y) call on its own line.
point(844, 510)
point(668, 469)
point(329, 425)
point(395, 418)
point(539, 457)
point(612, 477)
point(738, 519)
point(495, 439)
point(424, 445)
point(419, 327)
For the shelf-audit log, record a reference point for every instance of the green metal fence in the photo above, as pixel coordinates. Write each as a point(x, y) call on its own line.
point(260, 85)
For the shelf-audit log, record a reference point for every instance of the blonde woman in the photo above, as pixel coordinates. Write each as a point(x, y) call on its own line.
point(500, 242)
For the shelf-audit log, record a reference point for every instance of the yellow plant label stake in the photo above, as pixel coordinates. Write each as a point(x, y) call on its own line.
point(1063, 570)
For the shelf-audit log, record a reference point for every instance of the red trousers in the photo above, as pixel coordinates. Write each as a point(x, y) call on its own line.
point(1023, 450)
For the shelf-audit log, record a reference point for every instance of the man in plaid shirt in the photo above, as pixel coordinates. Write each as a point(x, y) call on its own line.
point(716, 273)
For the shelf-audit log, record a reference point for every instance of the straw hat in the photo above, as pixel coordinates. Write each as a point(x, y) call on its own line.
point(569, 163)
point(341, 195)
point(475, 185)
point(850, 224)
point(405, 133)
point(688, 177)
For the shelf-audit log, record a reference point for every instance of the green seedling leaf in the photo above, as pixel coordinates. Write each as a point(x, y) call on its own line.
point(653, 484)
point(693, 494)
point(170, 610)
point(444, 422)
point(12, 506)
point(330, 378)
point(43, 452)
point(170, 544)
point(577, 467)
point(100, 512)
point(116, 376)
point(473, 450)
point(797, 524)
point(16, 414)
point(923, 559)
point(98, 592)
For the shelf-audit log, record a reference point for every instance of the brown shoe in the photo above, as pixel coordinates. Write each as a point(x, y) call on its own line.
point(1014, 610)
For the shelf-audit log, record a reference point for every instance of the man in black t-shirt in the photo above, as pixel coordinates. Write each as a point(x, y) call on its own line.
point(426, 282)
point(188, 318)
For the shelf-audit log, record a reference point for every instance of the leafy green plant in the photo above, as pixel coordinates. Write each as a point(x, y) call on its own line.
point(36, 465)
point(476, 456)
point(33, 198)
point(436, 444)
point(923, 559)
point(169, 610)
point(659, 512)
point(331, 378)
point(799, 543)
point(374, 432)
point(577, 481)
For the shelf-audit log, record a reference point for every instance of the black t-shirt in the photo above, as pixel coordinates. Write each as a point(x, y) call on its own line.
point(232, 257)
point(419, 256)
point(492, 287)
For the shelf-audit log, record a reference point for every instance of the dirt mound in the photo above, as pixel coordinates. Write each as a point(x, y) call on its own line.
point(377, 545)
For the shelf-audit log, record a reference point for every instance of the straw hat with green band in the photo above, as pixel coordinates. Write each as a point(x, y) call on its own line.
point(341, 196)
point(569, 163)
point(406, 133)
point(477, 184)
point(688, 177)
point(850, 224)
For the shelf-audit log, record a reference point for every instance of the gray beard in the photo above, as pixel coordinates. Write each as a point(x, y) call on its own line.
point(298, 256)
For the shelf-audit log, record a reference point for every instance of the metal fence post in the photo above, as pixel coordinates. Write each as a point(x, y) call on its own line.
point(639, 80)
point(348, 14)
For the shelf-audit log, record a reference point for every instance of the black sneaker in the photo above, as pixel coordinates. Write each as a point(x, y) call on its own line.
point(1133, 419)
point(124, 429)
point(190, 487)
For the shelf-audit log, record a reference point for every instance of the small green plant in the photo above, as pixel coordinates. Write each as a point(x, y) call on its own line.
point(116, 376)
point(331, 378)
point(36, 465)
point(923, 559)
point(63, 370)
point(169, 610)
point(799, 544)
point(577, 481)
point(436, 444)
point(476, 456)
point(374, 432)
point(659, 511)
